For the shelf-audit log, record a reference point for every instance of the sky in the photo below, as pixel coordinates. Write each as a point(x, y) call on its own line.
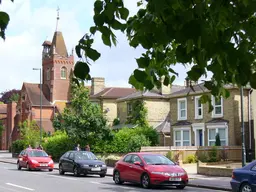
point(34, 21)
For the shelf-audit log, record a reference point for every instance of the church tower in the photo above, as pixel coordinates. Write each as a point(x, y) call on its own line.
point(57, 67)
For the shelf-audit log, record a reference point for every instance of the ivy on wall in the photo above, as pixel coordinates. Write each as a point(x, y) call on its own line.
point(1, 128)
point(138, 115)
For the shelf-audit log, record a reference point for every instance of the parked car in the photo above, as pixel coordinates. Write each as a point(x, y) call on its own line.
point(244, 179)
point(81, 162)
point(34, 159)
point(149, 169)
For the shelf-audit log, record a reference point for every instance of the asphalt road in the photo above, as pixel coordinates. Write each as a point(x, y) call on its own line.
point(13, 180)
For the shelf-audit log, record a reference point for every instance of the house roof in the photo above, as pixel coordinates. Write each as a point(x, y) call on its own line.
point(58, 44)
point(33, 91)
point(218, 120)
point(46, 125)
point(140, 94)
point(182, 123)
point(114, 92)
point(199, 88)
point(3, 108)
point(164, 127)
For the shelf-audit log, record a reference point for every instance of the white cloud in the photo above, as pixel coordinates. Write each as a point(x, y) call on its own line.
point(29, 27)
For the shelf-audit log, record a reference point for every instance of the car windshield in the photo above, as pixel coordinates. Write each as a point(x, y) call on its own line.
point(157, 160)
point(37, 154)
point(82, 155)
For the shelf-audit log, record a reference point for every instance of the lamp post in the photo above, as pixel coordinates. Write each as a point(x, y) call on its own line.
point(242, 126)
point(39, 69)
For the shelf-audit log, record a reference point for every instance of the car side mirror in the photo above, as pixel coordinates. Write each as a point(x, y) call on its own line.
point(137, 163)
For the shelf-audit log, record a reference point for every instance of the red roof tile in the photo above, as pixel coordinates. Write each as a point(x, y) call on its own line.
point(3, 108)
point(33, 91)
point(46, 125)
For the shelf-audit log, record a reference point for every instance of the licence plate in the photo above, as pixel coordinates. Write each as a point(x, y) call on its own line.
point(43, 165)
point(174, 179)
point(96, 169)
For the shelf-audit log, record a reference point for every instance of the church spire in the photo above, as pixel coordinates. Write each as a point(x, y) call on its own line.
point(58, 18)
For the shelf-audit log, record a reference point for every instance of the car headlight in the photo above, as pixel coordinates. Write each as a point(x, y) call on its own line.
point(34, 161)
point(169, 174)
point(160, 173)
point(50, 162)
point(104, 165)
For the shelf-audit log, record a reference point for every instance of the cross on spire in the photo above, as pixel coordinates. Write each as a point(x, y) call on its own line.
point(58, 17)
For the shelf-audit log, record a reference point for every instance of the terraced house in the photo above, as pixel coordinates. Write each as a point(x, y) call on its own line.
point(193, 125)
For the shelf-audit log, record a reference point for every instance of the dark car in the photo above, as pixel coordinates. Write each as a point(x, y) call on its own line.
point(244, 179)
point(149, 169)
point(81, 162)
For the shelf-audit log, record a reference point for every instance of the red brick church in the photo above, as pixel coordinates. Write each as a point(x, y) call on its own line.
point(57, 66)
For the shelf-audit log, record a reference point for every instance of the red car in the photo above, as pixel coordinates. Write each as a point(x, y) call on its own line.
point(149, 169)
point(34, 159)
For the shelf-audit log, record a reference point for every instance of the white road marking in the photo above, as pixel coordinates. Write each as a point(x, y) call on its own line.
point(56, 176)
point(94, 182)
point(19, 186)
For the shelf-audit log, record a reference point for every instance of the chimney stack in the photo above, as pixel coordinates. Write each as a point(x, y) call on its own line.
point(98, 84)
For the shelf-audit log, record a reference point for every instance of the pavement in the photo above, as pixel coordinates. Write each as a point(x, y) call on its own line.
point(13, 180)
point(195, 180)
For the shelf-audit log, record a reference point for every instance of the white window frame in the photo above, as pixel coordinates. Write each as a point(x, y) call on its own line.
point(214, 115)
point(181, 141)
point(179, 110)
point(65, 69)
point(196, 127)
point(48, 74)
point(197, 116)
point(217, 127)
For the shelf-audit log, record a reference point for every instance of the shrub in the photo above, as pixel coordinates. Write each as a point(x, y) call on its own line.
point(18, 146)
point(169, 155)
point(58, 144)
point(136, 142)
point(191, 159)
point(116, 121)
point(202, 157)
point(213, 154)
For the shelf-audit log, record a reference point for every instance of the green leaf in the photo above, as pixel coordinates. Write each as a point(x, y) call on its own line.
point(205, 98)
point(78, 51)
point(172, 79)
point(172, 71)
point(81, 70)
point(92, 53)
point(99, 19)
point(124, 12)
point(143, 62)
point(160, 57)
point(98, 6)
point(190, 44)
point(182, 55)
point(253, 81)
point(166, 81)
point(93, 30)
point(139, 75)
point(195, 73)
point(149, 85)
point(106, 40)
point(135, 83)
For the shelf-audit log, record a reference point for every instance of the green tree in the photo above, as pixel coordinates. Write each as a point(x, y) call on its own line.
point(139, 114)
point(212, 35)
point(217, 140)
point(4, 21)
point(30, 132)
point(83, 120)
point(1, 128)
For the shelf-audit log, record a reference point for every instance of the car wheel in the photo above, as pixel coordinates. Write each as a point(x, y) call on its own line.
point(61, 172)
point(180, 186)
point(102, 175)
point(117, 178)
point(28, 167)
point(76, 172)
point(18, 166)
point(145, 181)
point(246, 187)
point(50, 170)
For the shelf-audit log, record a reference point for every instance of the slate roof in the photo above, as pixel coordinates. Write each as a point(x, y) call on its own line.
point(33, 91)
point(164, 127)
point(114, 92)
point(182, 123)
point(3, 108)
point(218, 120)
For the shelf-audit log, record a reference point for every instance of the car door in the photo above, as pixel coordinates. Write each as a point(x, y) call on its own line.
point(25, 158)
point(136, 170)
point(64, 160)
point(124, 168)
point(21, 158)
point(70, 162)
point(252, 180)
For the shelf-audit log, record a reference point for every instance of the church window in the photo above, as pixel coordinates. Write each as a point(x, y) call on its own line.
point(63, 73)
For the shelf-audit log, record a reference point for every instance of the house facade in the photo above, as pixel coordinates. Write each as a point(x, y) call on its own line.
point(193, 125)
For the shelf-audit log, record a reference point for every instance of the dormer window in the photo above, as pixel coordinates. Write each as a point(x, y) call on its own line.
point(63, 73)
point(48, 74)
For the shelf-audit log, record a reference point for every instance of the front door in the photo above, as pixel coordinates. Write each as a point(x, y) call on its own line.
point(199, 137)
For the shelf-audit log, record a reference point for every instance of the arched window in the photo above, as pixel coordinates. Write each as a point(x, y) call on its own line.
point(48, 74)
point(63, 72)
